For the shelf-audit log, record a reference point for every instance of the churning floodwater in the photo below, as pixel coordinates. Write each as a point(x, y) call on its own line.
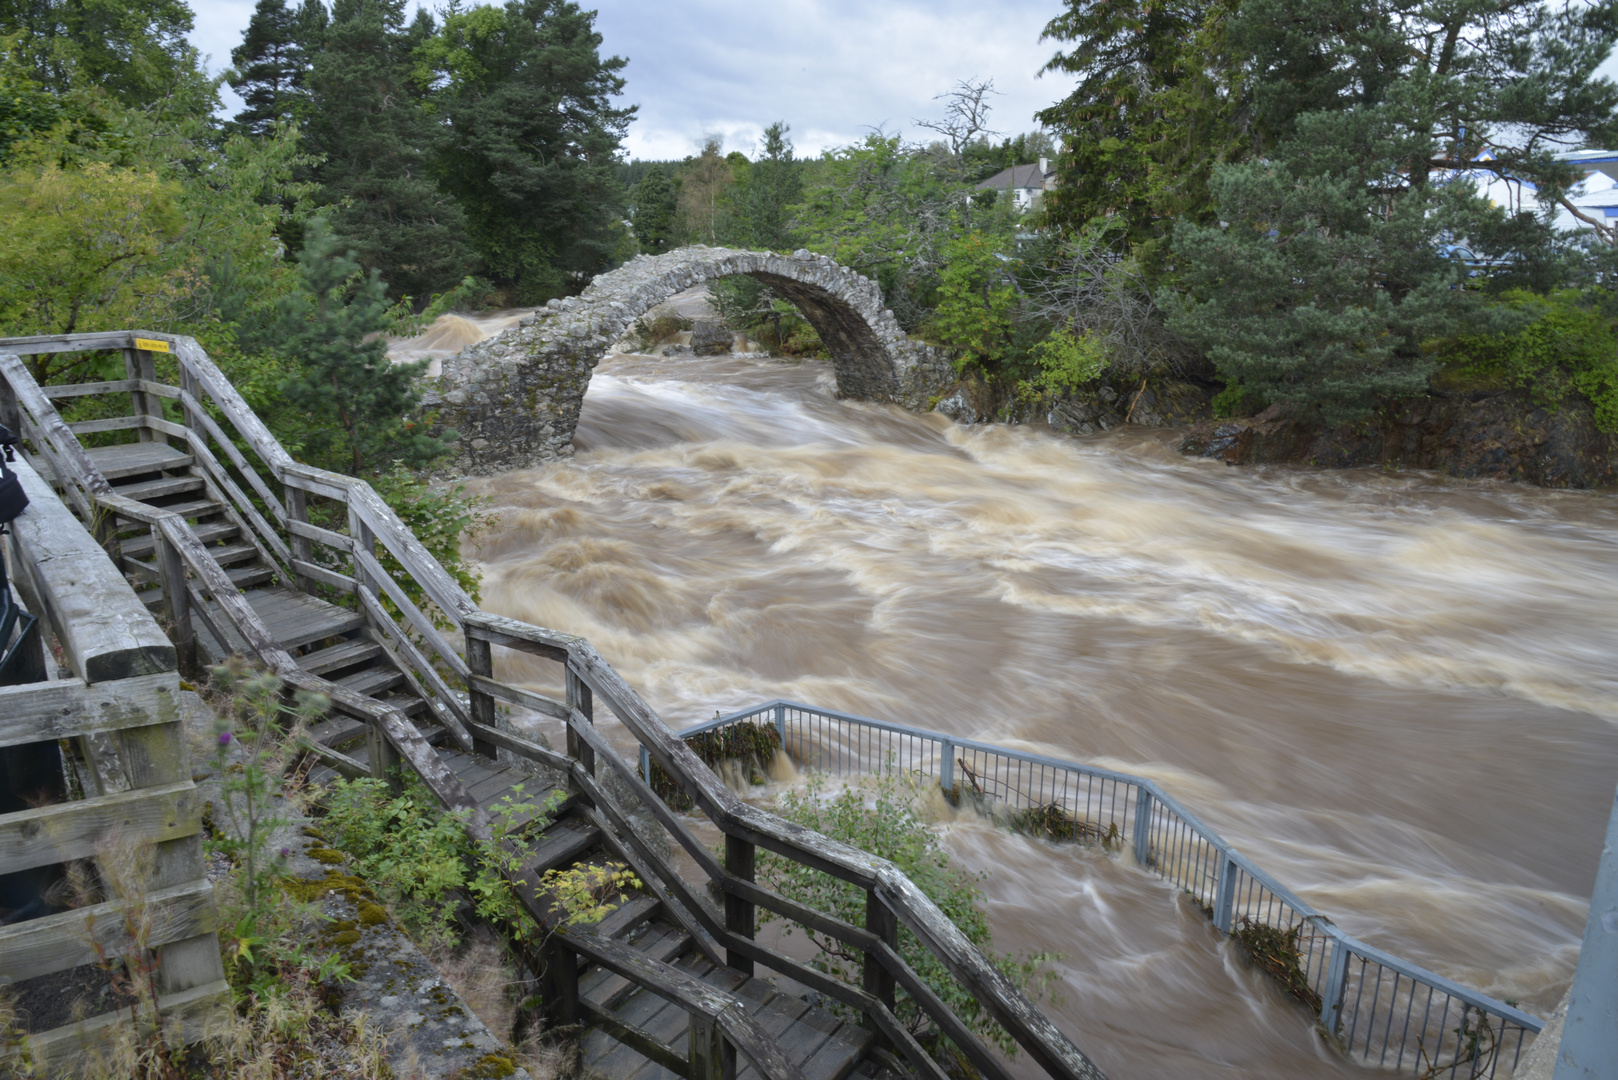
point(1397, 693)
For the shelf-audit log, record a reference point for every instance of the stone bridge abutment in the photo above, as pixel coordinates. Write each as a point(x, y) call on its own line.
point(515, 398)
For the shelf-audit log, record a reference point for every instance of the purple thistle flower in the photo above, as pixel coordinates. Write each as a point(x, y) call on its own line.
point(224, 738)
point(286, 852)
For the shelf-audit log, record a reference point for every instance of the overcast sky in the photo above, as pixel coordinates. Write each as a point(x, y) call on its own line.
point(830, 68)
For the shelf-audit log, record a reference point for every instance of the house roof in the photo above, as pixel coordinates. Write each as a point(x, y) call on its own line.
point(1018, 176)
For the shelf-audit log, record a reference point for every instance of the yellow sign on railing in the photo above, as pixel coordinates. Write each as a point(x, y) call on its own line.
point(151, 346)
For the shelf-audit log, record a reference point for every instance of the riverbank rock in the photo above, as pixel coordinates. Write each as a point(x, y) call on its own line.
point(1160, 401)
point(1496, 435)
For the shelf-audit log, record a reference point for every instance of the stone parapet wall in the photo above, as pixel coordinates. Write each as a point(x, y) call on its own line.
point(515, 398)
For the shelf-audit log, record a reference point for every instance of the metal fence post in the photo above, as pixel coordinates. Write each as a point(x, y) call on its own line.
point(946, 774)
point(781, 725)
point(1331, 991)
point(1143, 826)
point(1224, 913)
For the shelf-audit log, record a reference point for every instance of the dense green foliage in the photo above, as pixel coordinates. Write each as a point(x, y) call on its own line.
point(533, 139)
point(1567, 345)
point(1303, 178)
point(883, 818)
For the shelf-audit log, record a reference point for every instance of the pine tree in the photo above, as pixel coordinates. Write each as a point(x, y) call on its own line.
point(653, 202)
point(377, 137)
point(773, 184)
point(269, 67)
point(356, 401)
point(1158, 105)
point(1325, 275)
point(535, 140)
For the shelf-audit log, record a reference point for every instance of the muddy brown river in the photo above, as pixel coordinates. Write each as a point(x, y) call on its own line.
point(1396, 692)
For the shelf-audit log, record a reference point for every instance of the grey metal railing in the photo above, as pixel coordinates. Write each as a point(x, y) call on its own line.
point(1379, 1009)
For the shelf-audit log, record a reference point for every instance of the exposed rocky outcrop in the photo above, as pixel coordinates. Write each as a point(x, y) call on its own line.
point(1498, 435)
point(1162, 401)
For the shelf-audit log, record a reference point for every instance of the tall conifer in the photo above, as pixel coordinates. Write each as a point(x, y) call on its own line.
point(534, 141)
point(367, 119)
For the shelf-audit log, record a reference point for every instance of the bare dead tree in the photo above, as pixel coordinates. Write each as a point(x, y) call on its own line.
point(966, 113)
point(1093, 288)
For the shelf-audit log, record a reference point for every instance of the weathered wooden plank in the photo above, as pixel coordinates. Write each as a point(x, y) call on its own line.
point(73, 390)
point(325, 536)
point(366, 564)
point(314, 572)
point(520, 746)
point(55, 343)
point(198, 416)
point(63, 708)
point(71, 830)
point(488, 790)
point(67, 940)
point(197, 363)
point(499, 630)
point(190, 1014)
point(105, 630)
point(127, 423)
point(516, 695)
point(345, 766)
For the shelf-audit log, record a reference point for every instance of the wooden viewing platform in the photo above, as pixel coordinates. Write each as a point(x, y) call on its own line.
point(240, 549)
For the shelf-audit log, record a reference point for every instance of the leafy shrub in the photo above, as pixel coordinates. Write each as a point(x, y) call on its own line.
point(1066, 361)
point(882, 817)
point(1567, 347)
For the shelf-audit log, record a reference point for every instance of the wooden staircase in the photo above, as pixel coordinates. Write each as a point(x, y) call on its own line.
point(224, 548)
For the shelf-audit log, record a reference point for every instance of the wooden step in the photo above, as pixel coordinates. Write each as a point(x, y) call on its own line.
point(372, 681)
point(408, 704)
point(345, 654)
point(209, 533)
point(136, 459)
point(143, 490)
point(245, 577)
point(629, 915)
point(561, 844)
point(338, 731)
point(294, 619)
point(192, 508)
point(231, 554)
point(660, 941)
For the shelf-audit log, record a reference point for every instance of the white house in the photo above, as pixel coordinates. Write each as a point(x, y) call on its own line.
point(1025, 182)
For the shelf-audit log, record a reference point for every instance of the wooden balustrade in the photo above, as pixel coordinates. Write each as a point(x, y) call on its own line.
point(719, 1028)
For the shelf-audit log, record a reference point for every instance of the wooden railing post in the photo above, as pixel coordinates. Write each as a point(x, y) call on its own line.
point(480, 661)
point(559, 983)
point(384, 759)
point(713, 1057)
point(176, 602)
point(581, 701)
point(740, 859)
point(878, 981)
point(140, 402)
point(303, 548)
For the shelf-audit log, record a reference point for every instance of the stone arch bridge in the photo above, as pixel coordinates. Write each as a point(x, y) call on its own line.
point(515, 397)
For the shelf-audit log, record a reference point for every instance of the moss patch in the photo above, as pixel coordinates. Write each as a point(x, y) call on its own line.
point(487, 1067)
point(372, 914)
